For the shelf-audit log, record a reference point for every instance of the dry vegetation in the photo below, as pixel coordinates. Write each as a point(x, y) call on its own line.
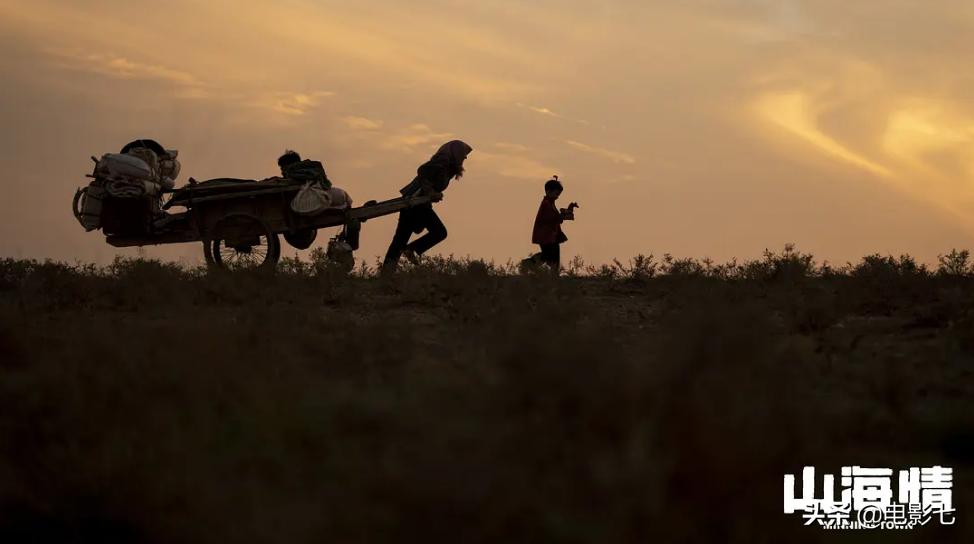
point(458, 401)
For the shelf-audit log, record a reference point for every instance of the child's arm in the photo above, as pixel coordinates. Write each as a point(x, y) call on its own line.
point(568, 214)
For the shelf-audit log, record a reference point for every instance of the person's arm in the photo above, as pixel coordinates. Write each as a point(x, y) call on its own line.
point(549, 213)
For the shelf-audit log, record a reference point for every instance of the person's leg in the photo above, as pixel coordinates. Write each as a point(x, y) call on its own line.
point(551, 256)
point(404, 229)
point(435, 232)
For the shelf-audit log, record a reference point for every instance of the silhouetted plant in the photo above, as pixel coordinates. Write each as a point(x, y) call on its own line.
point(575, 267)
point(878, 267)
point(788, 266)
point(294, 266)
point(639, 268)
point(602, 271)
point(683, 267)
point(955, 263)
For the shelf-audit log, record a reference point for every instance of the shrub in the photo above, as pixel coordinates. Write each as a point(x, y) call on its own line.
point(878, 267)
point(683, 267)
point(639, 268)
point(955, 263)
point(788, 266)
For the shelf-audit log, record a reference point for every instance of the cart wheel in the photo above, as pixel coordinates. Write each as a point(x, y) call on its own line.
point(242, 242)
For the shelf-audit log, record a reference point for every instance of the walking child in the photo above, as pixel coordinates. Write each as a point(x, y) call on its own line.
point(547, 226)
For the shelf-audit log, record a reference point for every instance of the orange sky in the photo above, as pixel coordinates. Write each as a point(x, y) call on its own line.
point(699, 128)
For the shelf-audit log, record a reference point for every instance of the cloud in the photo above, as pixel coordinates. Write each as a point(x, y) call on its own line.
point(292, 103)
point(626, 178)
point(120, 67)
point(361, 123)
point(184, 84)
point(413, 136)
point(404, 139)
point(541, 110)
point(865, 116)
point(510, 160)
point(406, 44)
point(768, 22)
point(920, 130)
point(508, 146)
point(509, 165)
point(934, 141)
point(794, 112)
point(617, 157)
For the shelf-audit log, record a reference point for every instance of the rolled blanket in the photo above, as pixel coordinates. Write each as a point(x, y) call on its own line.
point(129, 188)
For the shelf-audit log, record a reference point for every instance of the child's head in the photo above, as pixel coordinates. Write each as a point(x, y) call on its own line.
point(287, 159)
point(553, 188)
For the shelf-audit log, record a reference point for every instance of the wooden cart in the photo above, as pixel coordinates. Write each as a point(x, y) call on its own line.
point(238, 221)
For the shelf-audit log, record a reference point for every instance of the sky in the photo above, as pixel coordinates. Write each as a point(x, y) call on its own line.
point(701, 128)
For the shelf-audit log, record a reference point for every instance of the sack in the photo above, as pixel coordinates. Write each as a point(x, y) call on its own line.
point(117, 165)
point(169, 171)
point(162, 163)
point(341, 254)
point(149, 156)
point(88, 207)
point(311, 200)
point(339, 198)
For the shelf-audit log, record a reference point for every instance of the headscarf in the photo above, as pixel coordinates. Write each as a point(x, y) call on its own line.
point(452, 153)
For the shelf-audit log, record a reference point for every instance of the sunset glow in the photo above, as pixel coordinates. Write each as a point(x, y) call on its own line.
point(706, 128)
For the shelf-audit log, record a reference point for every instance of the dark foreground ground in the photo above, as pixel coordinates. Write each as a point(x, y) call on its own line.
point(456, 402)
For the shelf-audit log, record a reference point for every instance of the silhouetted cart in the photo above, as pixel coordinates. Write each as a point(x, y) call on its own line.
point(239, 221)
